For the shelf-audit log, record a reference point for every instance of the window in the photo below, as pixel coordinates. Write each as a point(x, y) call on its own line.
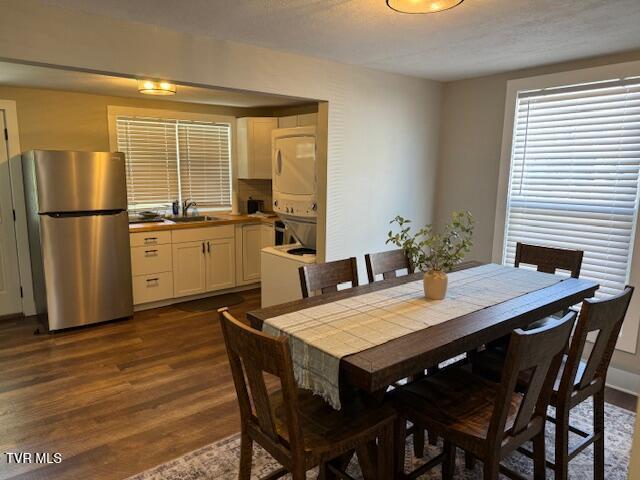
point(575, 162)
point(170, 160)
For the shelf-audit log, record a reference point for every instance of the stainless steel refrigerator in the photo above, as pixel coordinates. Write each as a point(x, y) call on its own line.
point(78, 236)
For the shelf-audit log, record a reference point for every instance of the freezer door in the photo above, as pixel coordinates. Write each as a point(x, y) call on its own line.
point(87, 269)
point(79, 181)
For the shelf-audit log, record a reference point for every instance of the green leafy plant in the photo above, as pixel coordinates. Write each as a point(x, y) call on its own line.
point(432, 251)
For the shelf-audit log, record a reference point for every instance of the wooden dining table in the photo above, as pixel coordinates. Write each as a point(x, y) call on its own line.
point(372, 370)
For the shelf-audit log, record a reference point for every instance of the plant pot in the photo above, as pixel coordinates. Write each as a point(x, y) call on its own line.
point(435, 285)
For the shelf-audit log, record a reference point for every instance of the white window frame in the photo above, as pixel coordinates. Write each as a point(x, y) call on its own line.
point(629, 337)
point(113, 112)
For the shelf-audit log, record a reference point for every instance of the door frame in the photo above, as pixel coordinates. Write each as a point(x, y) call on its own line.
point(17, 197)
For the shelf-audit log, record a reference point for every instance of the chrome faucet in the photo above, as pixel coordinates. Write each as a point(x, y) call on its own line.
point(186, 205)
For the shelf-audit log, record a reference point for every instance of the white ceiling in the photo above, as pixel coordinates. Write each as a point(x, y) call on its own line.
point(478, 37)
point(18, 75)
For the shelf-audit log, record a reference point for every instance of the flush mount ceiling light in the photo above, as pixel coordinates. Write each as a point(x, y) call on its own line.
point(422, 6)
point(152, 87)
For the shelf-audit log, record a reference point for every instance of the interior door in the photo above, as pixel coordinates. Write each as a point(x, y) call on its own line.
point(188, 268)
point(10, 301)
point(221, 264)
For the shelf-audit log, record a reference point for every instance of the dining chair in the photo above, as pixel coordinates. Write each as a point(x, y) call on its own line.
point(298, 429)
point(549, 259)
point(488, 420)
point(578, 379)
point(325, 277)
point(386, 264)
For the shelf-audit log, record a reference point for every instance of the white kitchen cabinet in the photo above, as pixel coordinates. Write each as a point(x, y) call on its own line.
point(255, 237)
point(189, 268)
point(254, 146)
point(301, 120)
point(220, 264)
point(153, 287)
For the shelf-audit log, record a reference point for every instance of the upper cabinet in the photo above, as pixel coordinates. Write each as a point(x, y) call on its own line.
point(254, 146)
point(302, 120)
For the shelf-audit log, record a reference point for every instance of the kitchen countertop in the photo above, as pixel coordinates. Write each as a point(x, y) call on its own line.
point(222, 218)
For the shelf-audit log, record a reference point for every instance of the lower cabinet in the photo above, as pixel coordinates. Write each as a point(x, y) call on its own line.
point(189, 268)
point(204, 265)
point(255, 237)
point(152, 287)
point(220, 264)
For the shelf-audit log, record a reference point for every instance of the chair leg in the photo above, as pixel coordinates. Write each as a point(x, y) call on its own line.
point(418, 441)
point(469, 461)
point(539, 457)
point(385, 453)
point(449, 461)
point(399, 437)
point(491, 469)
point(598, 430)
point(433, 438)
point(561, 469)
point(246, 456)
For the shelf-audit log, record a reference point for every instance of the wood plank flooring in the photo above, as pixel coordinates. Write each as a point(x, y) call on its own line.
point(119, 398)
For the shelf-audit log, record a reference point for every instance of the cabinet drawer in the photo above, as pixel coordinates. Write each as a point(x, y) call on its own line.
point(152, 288)
point(144, 239)
point(151, 259)
point(199, 234)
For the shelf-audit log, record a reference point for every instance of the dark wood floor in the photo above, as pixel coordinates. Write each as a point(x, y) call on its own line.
point(119, 398)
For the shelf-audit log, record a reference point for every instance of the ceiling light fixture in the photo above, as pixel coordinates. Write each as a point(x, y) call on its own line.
point(152, 87)
point(422, 6)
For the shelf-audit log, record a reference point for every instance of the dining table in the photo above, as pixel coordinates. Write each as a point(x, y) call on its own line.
point(374, 369)
point(370, 372)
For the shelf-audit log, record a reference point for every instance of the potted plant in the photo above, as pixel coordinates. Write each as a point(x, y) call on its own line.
point(435, 253)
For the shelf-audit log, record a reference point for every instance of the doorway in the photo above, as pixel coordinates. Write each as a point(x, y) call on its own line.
point(10, 295)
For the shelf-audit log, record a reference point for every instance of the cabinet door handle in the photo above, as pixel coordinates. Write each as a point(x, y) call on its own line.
point(208, 247)
point(203, 248)
point(150, 251)
point(151, 240)
point(149, 280)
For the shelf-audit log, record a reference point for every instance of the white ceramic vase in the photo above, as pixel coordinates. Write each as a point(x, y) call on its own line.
point(435, 285)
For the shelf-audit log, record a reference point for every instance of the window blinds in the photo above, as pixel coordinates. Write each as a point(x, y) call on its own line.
point(574, 176)
point(149, 146)
point(170, 160)
point(205, 163)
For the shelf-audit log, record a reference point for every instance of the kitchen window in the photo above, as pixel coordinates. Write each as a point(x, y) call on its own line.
point(573, 173)
point(175, 159)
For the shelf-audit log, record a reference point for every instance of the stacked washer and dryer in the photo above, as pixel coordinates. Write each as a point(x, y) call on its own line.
point(294, 184)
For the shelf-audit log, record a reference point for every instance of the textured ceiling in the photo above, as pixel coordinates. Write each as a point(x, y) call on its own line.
point(18, 75)
point(479, 37)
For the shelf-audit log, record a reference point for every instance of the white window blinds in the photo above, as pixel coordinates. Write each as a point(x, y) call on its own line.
point(170, 160)
point(149, 146)
point(205, 163)
point(574, 176)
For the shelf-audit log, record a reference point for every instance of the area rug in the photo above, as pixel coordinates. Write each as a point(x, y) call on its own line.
point(220, 460)
point(210, 303)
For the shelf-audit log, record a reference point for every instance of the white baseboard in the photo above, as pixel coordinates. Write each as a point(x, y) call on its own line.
point(624, 381)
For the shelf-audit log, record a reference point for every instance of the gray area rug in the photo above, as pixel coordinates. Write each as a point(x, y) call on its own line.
point(220, 460)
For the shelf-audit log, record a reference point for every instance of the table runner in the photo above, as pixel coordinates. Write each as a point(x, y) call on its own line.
point(320, 336)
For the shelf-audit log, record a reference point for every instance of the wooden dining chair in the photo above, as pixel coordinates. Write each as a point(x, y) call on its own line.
point(488, 420)
point(578, 379)
point(386, 264)
point(298, 429)
point(325, 277)
point(548, 259)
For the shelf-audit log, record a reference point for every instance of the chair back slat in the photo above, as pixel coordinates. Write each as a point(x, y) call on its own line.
point(537, 351)
point(386, 264)
point(252, 353)
point(325, 277)
point(548, 259)
point(605, 318)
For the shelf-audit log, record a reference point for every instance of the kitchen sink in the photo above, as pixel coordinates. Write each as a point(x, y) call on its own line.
point(195, 218)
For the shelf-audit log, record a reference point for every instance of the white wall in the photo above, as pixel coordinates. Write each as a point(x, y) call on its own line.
point(383, 128)
point(469, 164)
